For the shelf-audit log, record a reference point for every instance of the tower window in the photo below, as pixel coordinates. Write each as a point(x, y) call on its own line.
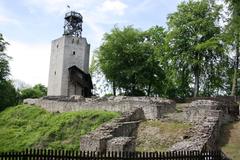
point(72, 40)
point(73, 52)
point(57, 45)
point(55, 73)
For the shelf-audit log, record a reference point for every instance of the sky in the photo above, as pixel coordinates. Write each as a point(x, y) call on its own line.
point(30, 26)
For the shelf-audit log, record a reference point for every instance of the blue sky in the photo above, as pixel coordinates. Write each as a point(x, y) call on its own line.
point(30, 26)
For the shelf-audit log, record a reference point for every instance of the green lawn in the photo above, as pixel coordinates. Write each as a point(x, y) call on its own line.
point(27, 126)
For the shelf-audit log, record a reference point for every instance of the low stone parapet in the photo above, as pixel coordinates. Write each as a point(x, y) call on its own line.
point(153, 107)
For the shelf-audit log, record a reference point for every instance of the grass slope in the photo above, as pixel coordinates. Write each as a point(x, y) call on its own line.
point(156, 135)
point(26, 126)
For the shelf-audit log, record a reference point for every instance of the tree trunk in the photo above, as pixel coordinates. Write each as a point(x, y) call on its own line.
point(236, 64)
point(149, 89)
point(196, 72)
point(196, 82)
point(114, 88)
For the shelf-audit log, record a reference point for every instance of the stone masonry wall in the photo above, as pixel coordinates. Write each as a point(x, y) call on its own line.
point(153, 107)
point(118, 135)
point(199, 108)
point(208, 115)
point(204, 135)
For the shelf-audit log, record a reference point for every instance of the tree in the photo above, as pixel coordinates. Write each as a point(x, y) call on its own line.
point(4, 67)
point(129, 60)
point(152, 72)
point(37, 91)
point(233, 37)
point(195, 43)
point(8, 94)
point(100, 85)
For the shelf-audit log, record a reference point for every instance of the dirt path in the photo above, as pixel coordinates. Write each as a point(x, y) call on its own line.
point(230, 140)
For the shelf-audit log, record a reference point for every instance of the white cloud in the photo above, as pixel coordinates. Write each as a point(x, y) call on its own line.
point(113, 6)
point(30, 62)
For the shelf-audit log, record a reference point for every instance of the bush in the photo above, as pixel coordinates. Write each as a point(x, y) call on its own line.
point(37, 91)
point(8, 94)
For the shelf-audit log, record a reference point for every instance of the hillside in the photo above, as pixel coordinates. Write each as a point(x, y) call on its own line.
point(26, 126)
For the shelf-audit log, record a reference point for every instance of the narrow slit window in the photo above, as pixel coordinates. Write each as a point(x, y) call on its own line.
point(73, 52)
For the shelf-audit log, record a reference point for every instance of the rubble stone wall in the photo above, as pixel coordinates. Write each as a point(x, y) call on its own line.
point(208, 115)
point(204, 135)
point(197, 110)
point(153, 107)
point(118, 135)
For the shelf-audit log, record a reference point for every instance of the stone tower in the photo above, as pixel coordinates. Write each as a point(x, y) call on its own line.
point(69, 62)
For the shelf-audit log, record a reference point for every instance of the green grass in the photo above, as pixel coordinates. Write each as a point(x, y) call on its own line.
point(230, 140)
point(26, 126)
point(156, 135)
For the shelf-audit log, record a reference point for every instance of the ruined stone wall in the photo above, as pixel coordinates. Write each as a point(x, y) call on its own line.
point(197, 110)
point(153, 107)
point(118, 135)
point(203, 136)
point(208, 116)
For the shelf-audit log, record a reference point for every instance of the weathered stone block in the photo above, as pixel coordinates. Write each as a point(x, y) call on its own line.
point(122, 144)
point(94, 143)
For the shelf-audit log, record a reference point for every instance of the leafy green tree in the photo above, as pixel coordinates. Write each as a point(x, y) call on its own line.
point(37, 91)
point(130, 61)
point(233, 38)
point(100, 85)
point(4, 66)
point(152, 71)
point(8, 94)
point(195, 47)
